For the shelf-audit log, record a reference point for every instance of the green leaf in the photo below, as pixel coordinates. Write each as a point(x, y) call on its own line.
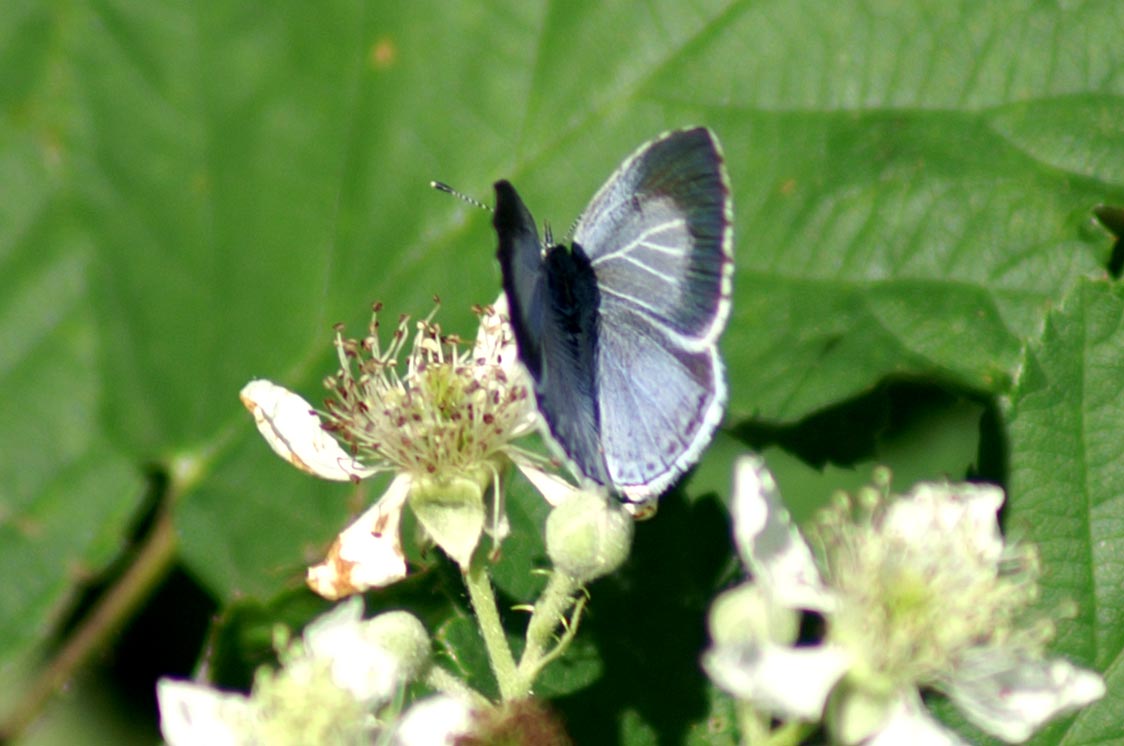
point(523, 552)
point(196, 191)
point(68, 491)
point(1067, 475)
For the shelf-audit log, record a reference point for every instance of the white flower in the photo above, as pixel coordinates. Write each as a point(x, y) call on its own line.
point(920, 592)
point(754, 627)
point(193, 714)
point(434, 721)
point(370, 659)
point(445, 425)
point(331, 685)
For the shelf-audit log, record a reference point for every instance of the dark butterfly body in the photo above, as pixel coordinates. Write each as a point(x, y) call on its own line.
point(619, 330)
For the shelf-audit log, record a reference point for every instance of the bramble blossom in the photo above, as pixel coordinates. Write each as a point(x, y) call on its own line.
point(916, 592)
point(336, 684)
point(444, 423)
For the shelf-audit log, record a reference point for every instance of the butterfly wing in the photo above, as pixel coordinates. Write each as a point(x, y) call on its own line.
point(658, 238)
point(520, 256)
point(553, 309)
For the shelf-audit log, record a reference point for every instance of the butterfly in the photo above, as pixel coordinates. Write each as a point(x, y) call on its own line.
point(619, 330)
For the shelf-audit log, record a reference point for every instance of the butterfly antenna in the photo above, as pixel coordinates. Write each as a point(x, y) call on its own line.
point(443, 187)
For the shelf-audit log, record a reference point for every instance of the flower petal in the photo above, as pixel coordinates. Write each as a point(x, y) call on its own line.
point(368, 553)
point(361, 662)
point(1010, 696)
point(553, 488)
point(495, 340)
point(786, 681)
point(969, 510)
point(193, 714)
point(293, 430)
point(434, 721)
point(909, 722)
point(770, 546)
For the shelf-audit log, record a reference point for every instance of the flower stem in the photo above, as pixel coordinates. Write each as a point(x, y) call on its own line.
point(550, 611)
point(109, 614)
point(753, 725)
point(791, 734)
point(483, 599)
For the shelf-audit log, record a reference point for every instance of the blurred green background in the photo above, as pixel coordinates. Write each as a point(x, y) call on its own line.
point(194, 192)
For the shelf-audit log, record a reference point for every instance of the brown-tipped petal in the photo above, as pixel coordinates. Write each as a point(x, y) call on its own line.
point(294, 432)
point(368, 553)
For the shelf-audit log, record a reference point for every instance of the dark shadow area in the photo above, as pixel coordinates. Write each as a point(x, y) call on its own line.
point(163, 639)
point(1112, 218)
point(994, 453)
point(89, 595)
point(648, 623)
point(855, 431)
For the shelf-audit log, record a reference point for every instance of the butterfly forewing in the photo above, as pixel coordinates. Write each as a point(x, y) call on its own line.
point(658, 235)
point(520, 255)
point(553, 303)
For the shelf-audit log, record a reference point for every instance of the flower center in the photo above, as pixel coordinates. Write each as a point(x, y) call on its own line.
point(913, 605)
point(450, 410)
point(301, 704)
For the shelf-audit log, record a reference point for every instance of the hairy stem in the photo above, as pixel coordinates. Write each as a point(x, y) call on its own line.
point(550, 611)
point(483, 599)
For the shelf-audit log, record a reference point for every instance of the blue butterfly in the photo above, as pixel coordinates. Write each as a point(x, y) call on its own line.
point(619, 331)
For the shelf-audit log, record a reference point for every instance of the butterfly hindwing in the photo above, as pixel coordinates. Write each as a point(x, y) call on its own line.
point(680, 392)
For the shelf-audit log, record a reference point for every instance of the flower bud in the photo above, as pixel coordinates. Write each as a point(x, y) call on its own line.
point(746, 616)
point(401, 634)
point(588, 536)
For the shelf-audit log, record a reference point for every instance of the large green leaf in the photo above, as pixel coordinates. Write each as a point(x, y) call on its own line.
point(196, 191)
point(1067, 481)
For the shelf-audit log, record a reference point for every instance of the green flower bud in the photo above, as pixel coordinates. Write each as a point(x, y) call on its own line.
point(588, 536)
point(401, 634)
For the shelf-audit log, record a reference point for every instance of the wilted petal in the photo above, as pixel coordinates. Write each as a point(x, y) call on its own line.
point(769, 544)
point(293, 430)
point(1010, 696)
point(197, 715)
point(368, 553)
point(434, 721)
point(910, 723)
